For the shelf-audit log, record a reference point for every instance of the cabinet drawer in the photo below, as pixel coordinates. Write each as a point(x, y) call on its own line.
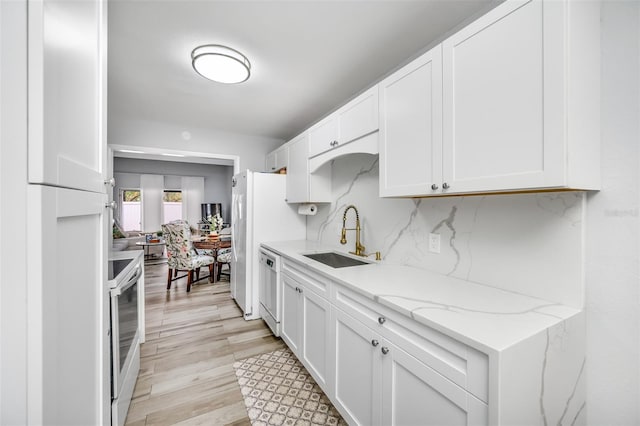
point(463, 365)
point(315, 282)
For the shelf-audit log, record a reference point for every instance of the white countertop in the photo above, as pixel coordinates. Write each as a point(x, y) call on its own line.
point(486, 318)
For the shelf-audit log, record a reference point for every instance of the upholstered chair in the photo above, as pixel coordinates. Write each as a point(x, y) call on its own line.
point(181, 255)
point(224, 258)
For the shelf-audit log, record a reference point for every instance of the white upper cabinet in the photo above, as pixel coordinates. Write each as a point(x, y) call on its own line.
point(302, 186)
point(324, 136)
point(411, 127)
point(67, 93)
point(298, 171)
point(277, 159)
point(509, 103)
point(356, 119)
point(282, 157)
point(270, 162)
point(521, 99)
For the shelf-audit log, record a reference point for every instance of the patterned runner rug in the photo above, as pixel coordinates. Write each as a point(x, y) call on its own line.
point(278, 390)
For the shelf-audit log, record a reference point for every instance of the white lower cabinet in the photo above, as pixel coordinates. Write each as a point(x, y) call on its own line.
point(306, 326)
point(376, 383)
point(379, 366)
point(357, 377)
point(290, 323)
point(316, 327)
point(376, 367)
point(414, 394)
point(68, 307)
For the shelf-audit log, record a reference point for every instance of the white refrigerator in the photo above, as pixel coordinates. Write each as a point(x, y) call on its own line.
point(259, 213)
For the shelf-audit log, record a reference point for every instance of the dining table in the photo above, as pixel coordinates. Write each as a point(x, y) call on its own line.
point(213, 244)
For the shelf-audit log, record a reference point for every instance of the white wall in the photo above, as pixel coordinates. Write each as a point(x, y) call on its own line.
point(613, 230)
point(145, 133)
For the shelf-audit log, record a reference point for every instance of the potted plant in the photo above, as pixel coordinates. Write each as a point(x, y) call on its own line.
point(216, 224)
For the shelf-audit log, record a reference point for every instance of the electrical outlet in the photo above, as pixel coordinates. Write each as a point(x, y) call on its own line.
point(434, 243)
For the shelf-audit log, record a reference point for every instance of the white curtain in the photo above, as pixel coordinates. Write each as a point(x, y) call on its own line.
point(192, 198)
point(152, 188)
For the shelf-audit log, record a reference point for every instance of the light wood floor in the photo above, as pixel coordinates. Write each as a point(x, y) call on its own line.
point(192, 340)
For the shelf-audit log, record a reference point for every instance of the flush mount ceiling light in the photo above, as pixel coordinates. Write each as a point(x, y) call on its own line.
point(220, 63)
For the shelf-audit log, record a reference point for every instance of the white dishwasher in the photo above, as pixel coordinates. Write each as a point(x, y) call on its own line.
point(270, 293)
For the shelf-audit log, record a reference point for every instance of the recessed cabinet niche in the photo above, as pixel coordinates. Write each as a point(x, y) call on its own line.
point(520, 106)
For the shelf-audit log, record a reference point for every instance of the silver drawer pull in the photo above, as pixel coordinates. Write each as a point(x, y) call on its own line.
point(385, 350)
point(374, 342)
point(381, 320)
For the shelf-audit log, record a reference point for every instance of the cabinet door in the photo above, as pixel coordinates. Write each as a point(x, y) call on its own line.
point(68, 307)
point(502, 103)
point(67, 93)
point(406, 380)
point(411, 128)
point(298, 171)
point(357, 377)
point(282, 158)
point(270, 162)
point(323, 136)
point(316, 328)
point(359, 117)
point(290, 322)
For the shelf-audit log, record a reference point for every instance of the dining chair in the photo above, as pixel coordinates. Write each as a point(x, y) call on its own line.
point(182, 256)
point(224, 258)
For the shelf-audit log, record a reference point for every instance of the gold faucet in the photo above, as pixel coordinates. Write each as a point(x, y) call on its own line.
point(343, 240)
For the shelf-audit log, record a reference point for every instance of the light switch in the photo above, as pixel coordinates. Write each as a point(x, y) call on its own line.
point(434, 243)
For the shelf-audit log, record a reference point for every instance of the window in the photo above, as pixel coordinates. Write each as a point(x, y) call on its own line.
point(172, 205)
point(131, 210)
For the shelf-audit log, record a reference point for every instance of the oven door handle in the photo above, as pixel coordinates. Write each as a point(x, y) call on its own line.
point(134, 279)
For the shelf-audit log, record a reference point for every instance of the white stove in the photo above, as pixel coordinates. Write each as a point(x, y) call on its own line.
point(125, 274)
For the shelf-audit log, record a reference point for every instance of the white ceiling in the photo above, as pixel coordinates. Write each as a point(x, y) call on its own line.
point(308, 57)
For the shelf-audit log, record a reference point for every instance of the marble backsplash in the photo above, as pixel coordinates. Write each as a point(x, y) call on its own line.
point(526, 243)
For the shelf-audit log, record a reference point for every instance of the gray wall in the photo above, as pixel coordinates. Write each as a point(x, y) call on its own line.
point(217, 179)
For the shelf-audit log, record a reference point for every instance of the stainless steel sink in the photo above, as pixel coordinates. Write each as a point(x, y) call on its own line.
point(335, 260)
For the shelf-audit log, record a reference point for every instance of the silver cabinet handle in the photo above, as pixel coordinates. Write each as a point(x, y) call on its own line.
point(385, 350)
point(381, 320)
point(111, 182)
point(374, 342)
point(445, 185)
point(111, 205)
point(434, 186)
